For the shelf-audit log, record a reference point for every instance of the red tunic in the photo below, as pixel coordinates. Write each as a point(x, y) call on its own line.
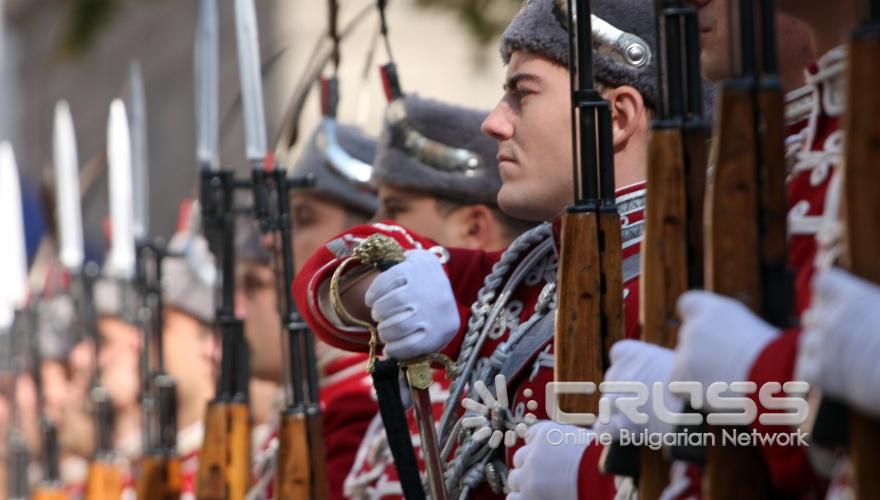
point(374, 475)
point(815, 148)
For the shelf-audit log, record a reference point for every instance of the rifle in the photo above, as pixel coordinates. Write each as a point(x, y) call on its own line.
point(224, 461)
point(13, 300)
point(589, 313)
point(18, 456)
point(105, 476)
point(160, 471)
point(746, 256)
point(672, 260)
point(861, 204)
point(50, 486)
point(301, 469)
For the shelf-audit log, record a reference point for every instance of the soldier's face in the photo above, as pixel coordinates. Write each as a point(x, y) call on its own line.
point(714, 38)
point(422, 214)
point(256, 305)
point(119, 358)
point(715, 41)
point(315, 221)
point(532, 126)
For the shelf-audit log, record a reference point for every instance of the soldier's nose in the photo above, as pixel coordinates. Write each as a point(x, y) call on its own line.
point(497, 126)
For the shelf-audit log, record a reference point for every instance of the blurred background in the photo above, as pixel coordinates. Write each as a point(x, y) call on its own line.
point(81, 50)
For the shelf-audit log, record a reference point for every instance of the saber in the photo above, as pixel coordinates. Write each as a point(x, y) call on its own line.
point(383, 252)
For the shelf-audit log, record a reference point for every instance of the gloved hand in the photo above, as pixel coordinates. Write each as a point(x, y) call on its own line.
point(840, 345)
point(413, 306)
point(719, 339)
point(547, 466)
point(635, 361)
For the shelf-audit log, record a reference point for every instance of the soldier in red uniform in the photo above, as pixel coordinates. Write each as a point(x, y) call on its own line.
point(451, 207)
point(492, 312)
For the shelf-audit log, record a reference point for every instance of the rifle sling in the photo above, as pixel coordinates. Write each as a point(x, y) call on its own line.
point(385, 380)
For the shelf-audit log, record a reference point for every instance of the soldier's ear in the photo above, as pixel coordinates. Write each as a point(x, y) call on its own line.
point(628, 114)
point(476, 226)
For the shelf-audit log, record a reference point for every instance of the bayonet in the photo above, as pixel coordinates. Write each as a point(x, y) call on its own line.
point(121, 260)
point(13, 286)
point(67, 197)
point(207, 56)
point(248, 43)
point(139, 156)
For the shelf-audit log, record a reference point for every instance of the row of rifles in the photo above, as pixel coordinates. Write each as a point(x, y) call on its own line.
point(722, 228)
point(134, 262)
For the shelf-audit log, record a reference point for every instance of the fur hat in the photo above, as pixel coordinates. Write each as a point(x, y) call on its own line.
point(189, 276)
point(332, 178)
point(114, 297)
point(432, 146)
point(541, 27)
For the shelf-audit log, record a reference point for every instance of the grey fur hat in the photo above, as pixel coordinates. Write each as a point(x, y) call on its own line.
point(55, 327)
point(338, 177)
point(541, 27)
point(432, 146)
point(189, 276)
point(114, 297)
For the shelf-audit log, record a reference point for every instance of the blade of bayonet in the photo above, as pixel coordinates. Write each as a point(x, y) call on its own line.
point(13, 255)
point(247, 37)
point(139, 156)
point(68, 210)
point(121, 258)
point(207, 54)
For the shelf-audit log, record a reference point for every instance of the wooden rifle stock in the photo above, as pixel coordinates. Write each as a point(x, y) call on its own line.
point(49, 492)
point(105, 481)
point(861, 208)
point(589, 311)
point(211, 473)
point(578, 315)
point(224, 461)
point(293, 477)
point(161, 478)
point(664, 269)
point(733, 268)
point(317, 451)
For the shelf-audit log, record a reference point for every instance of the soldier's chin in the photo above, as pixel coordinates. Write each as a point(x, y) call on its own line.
point(520, 203)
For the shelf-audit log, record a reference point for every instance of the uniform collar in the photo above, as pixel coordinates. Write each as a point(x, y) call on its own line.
point(630, 205)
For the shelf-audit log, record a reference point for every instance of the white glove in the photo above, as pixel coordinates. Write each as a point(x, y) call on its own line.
point(634, 361)
point(413, 306)
point(840, 346)
point(719, 339)
point(547, 466)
